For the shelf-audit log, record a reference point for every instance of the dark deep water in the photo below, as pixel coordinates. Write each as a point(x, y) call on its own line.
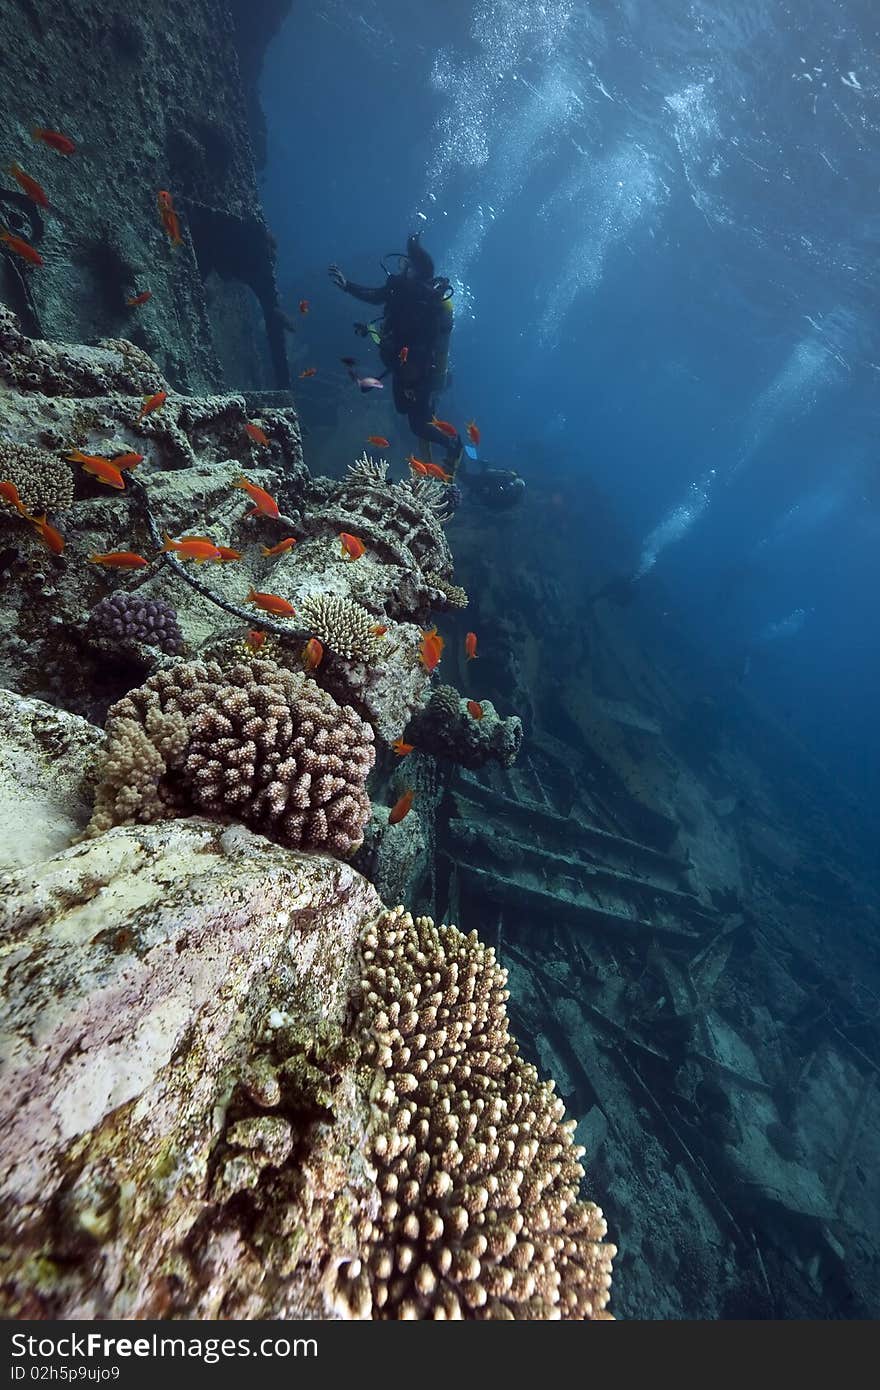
point(661, 224)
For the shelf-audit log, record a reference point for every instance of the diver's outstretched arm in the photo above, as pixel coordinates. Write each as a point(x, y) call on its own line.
point(364, 292)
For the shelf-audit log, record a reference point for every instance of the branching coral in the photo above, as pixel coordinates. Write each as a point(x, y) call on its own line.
point(262, 744)
point(124, 617)
point(367, 470)
point(477, 1170)
point(430, 494)
point(453, 595)
point(44, 482)
point(342, 625)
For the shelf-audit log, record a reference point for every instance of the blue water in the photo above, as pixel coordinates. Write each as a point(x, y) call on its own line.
point(661, 221)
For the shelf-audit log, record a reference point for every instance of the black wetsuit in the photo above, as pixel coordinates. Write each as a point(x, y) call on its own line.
point(418, 317)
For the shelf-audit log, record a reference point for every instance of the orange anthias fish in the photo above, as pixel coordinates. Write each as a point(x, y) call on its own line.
point(400, 807)
point(470, 646)
point(20, 247)
point(401, 748)
point(304, 306)
point(130, 460)
point(138, 299)
point(151, 403)
point(61, 143)
point(99, 467)
point(120, 560)
point(49, 536)
point(379, 440)
point(263, 502)
point(271, 603)
point(225, 552)
point(9, 493)
point(170, 220)
point(402, 356)
point(428, 470)
point(444, 427)
point(198, 548)
point(312, 654)
point(352, 546)
point(473, 433)
point(431, 649)
point(379, 630)
point(255, 639)
point(309, 371)
point(29, 185)
point(475, 710)
point(287, 544)
point(257, 435)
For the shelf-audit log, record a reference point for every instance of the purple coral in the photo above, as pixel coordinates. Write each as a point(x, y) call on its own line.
point(125, 617)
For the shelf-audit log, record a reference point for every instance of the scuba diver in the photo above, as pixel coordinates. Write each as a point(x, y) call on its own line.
point(413, 338)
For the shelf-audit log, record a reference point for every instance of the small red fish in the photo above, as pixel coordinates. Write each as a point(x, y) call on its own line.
point(379, 630)
point(224, 554)
point(20, 247)
point(130, 460)
point(120, 560)
point(304, 306)
point(257, 435)
point(400, 808)
point(312, 654)
point(263, 502)
point(309, 371)
point(54, 139)
point(50, 537)
point(9, 493)
point(29, 185)
point(99, 467)
point(402, 356)
point(198, 548)
point(431, 649)
point(168, 214)
point(444, 427)
point(151, 403)
point(138, 299)
point(271, 603)
point(470, 646)
point(287, 544)
point(379, 440)
point(473, 433)
point(475, 710)
point(255, 639)
point(418, 466)
point(352, 546)
point(401, 748)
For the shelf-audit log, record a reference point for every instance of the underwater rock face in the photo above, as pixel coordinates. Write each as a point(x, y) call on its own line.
point(46, 756)
point(162, 951)
point(177, 120)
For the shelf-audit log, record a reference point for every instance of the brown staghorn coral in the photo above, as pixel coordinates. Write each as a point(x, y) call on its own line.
point(342, 625)
point(44, 482)
point(264, 745)
point(477, 1172)
point(366, 470)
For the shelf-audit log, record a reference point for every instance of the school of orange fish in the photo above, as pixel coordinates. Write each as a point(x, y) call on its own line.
point(200, 549)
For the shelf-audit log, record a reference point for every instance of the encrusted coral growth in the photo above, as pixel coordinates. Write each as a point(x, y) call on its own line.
point(430, 494)
point(398, 523)
point(452, 595)
point(342, 625)
point(264, 745)
point(447, 729)
point(477, 1170)
point(124, 617)
point(44, 482)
